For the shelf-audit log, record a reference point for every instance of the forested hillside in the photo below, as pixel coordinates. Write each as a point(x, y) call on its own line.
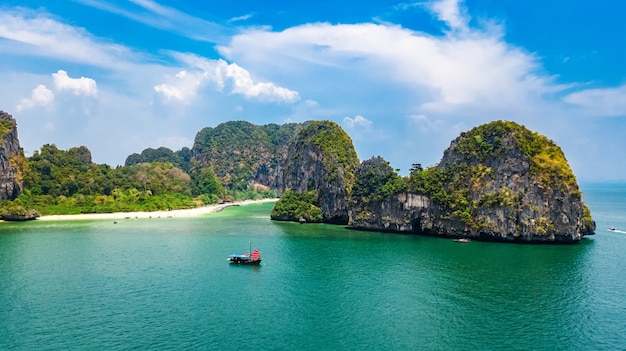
point(66, 182)
point(233, 161)
point(243, 154)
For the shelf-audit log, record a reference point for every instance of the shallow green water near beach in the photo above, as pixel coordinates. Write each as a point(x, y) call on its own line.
point(165, 284)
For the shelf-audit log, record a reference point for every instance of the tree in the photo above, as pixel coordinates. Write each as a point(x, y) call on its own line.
point(209, 184)
point(416, 167)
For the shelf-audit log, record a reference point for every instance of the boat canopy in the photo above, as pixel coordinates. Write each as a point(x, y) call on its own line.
point(240, 256)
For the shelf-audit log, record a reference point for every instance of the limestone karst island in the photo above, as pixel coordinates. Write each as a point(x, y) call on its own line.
point(496, 182)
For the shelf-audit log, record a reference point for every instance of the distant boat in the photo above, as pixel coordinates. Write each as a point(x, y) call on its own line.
point(611, 229)
point(252, 257)
point(462, 240)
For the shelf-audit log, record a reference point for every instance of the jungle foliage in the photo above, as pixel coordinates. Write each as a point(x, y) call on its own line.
point(239, 151)
point(337, 148)
point(452, 186)
point(336, 162)
point(548, 163)
point(376, 180)
point(68, 182)
point(180, 159)
point(296, 206)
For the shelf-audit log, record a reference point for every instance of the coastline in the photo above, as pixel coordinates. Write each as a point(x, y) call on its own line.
point(190, 212)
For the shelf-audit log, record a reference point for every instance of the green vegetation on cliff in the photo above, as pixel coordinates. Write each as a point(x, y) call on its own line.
point(241, 153)
point(6, 126)
point(321, 158)
point(451, 188)
point(499, 181)
point(294, 206)
point(458, 183)
point(337, 149)
point(180, 159)
point(548, 163)
point(376, 180)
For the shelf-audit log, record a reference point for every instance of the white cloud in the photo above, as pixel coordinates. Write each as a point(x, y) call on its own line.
point(77, 86)
point(183, 88)
point(241, 18)
point(426, 124)
point(451, 13)
point(600, 102)
point(444, 73)
point(262, 90)
point(415, 88)
point(152, 14)
point(41, 96)
point(220, 73)
point(35, 34)
point(357, 121)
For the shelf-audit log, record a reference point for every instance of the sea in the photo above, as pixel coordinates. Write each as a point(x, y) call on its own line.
point(166, 284)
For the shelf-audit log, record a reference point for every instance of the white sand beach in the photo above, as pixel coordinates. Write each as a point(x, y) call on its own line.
point(191, 212)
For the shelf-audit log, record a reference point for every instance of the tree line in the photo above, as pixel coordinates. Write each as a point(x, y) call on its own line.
point(59, 181)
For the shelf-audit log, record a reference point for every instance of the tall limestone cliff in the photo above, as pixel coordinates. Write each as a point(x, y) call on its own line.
point(12, 159)
point(321, 159)
point(498, 181)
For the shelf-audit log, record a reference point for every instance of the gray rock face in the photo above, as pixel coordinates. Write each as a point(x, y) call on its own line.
point(400, 213)
point(19, 216)
point(10, 178)
point(504, 194)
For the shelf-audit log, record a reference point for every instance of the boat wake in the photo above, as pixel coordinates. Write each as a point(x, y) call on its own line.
point(617, 231)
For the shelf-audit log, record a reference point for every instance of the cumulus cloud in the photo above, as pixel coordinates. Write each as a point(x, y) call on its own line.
point(182, 88)
point(77, 86)
point(444, 73)
point(187, 83)
point(244, 85)
point(41, 96)
point(357, 121)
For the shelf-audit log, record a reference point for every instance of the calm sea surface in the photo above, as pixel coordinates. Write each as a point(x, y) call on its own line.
point(165, 284)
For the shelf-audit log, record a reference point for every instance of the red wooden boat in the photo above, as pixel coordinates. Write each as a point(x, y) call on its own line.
point(253, 257)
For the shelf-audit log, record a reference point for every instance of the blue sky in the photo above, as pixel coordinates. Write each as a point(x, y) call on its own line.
point(402, 78)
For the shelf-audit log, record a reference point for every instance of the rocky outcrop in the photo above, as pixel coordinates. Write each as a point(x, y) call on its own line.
point(379, 201)
point(11, 158)
point(18, 214)
point(320, 159)
point(399, 213)
point(498, 182)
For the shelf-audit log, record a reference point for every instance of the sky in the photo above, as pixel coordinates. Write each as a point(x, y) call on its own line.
point(403, 79)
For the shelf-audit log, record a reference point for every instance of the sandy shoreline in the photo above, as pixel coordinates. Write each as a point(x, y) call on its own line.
point(191, 212)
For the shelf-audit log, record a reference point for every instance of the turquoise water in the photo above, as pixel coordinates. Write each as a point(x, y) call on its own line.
point(165, 284)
